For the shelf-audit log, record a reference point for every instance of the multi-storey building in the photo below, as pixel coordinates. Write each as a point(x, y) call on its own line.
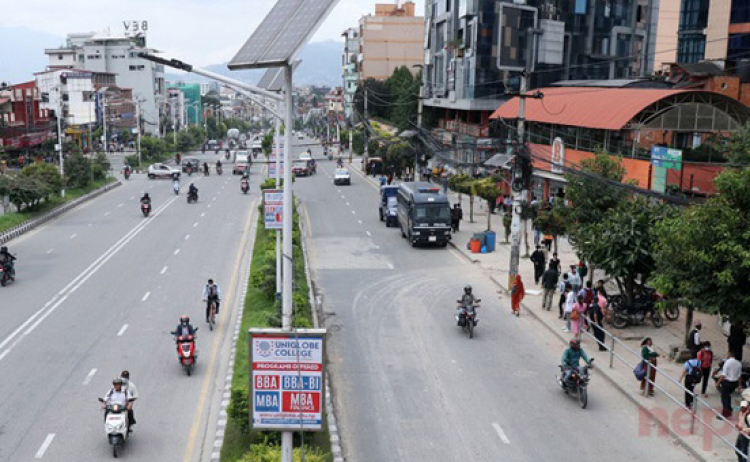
point(391, 38)
point(23, 122)
point(73, 93)
point(175, 109)
point(349, 69)
point(193, 104)
point(476, 50)
point(104, 53)
point(714, 30)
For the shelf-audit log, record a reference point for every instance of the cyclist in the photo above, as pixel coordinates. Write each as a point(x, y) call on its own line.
point(211, 293)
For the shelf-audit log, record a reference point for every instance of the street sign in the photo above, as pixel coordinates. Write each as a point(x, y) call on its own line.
point(666, 157)
point(273, 206)
point(558, 156)
point(272, 169)
point(287, 379)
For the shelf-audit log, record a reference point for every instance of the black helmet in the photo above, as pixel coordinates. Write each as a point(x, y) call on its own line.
point(125, 375)
point(575, 344)
point(467, 290)
point(184, 319)
point(3, 249)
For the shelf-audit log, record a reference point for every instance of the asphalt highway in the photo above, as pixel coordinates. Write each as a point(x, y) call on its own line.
point(409, 385)
point(98, 290)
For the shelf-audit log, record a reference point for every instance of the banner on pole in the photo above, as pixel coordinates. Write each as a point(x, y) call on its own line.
point(273, 206)
point(287, 379)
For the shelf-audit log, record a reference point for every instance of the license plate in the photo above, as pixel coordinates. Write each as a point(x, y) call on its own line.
point(432, 239)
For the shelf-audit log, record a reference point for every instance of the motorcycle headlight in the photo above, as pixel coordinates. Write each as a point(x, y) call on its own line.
point(417, 233)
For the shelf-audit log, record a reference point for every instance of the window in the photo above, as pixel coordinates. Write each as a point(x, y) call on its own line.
point(59, 57)
point(137, 67)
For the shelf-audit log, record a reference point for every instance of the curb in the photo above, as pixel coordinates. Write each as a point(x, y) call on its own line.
point(603, 374)
point(333, 430)
point(33, 223)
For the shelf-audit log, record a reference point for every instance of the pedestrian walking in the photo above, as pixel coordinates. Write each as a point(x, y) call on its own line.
point(577, 317)
point(737, 339)
point(649, 356)
point(549, 283)
point(694, 339)
point(556, 262)
point(707, 358)
point(600, 291)
point(729, 380)
point(457, 214)
point(570, 301)
point(537, 258)
point(583, 270)
point(691, 374)
point(574, 279)
point(743, 431)
point(547, 241)
point(597, 316)
point(563, 295)
point(517, 293)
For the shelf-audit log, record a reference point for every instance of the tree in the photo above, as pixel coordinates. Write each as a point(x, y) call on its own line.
point(463, 184)
point(22, 190)
point(703, 253)
point(622, 242)
point(126, 135)
point(100, 166)
point(47, 174)
point(77, 171)
point(552, 221)
point(487, 189)
point(185, 141)
point(398, 157)
point(378, 98)
point(404, 98)
point(739, 146)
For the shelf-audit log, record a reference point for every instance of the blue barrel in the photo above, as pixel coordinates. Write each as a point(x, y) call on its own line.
point(490, 239)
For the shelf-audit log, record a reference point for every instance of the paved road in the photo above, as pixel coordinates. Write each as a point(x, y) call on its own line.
point(98, 291)
point(410, 386)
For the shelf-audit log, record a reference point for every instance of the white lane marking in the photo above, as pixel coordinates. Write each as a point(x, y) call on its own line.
point(44, 446)
point(145, 297)
point(73, 236)
point(390, 265)
point(122, 330)
point(368, 233)
point(353, 212)
point(360, 221)
point(195, 225)
point(163, 270)
point(209, 205)
point(214, 198)
point(177, 251)
point(203, 214)
point(187, 236)
point(50, 251)
point(338, 190)
point(347, 204)
point(90, 376)
point(500, 433)
point(107, 214)
point(377, 246)
point(120, 205)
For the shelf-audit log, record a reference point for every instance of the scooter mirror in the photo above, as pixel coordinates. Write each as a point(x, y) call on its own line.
point(101, 400)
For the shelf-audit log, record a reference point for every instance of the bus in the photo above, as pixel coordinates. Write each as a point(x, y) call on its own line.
point(424, 214)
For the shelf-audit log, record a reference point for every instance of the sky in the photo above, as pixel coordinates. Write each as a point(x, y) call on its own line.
point(202, 32)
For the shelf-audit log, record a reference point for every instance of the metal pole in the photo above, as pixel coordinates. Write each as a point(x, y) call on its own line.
point(104, 123)
point(419, 127)
point(174, 123)
point(364, 162)
point(338, 139)
point(277, 135)
point(286, 296)
point(612, 353)
point(60, 140)
point(138, 127)
point(351, 144)
point(515, 227)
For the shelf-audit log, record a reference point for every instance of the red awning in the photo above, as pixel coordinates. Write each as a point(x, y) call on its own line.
point(601, 108)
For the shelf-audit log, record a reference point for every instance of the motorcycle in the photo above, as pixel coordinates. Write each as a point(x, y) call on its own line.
point(467, 316)
point(219, 170)
point(7, 274)
point(634, 316)
point(226, 156)
point(190, 171)
point(217, 151)
point(127, 173)
point(192, 197)
point(145, 208)
point(176, 188)
point(578, 383)
point(186, 352)
point(245, 186)
point(206, 172)
point(116, 426)
point(647, 300)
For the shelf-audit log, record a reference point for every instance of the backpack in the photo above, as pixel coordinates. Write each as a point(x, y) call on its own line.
point(695, 373)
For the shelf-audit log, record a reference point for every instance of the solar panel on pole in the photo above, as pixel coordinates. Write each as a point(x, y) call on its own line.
point(282, 34)
point(273, 78)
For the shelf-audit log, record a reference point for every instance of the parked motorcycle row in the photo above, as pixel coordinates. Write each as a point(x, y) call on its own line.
point(645, 307)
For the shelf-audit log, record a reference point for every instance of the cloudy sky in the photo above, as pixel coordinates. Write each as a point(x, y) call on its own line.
point(200, 31)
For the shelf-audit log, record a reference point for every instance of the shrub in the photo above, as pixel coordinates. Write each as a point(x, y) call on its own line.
point(77, 171)
point(269, 452)
point(46, 174)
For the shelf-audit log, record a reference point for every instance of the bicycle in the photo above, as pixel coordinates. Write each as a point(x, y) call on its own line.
point(212, 315)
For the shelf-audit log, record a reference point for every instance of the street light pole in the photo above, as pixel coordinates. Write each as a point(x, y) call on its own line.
point(104, 123)
point(138, 128)
point(277, 142)
point(60, 140)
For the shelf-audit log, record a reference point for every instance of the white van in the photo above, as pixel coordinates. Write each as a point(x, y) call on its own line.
point(241, 163)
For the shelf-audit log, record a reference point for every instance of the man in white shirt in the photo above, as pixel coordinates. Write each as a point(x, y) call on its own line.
point(117, 395)
point(574, 279)
point(570, 301)
point(130, 387)
point(729, 380)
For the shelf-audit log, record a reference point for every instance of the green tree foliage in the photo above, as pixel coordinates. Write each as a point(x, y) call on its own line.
point(267, 143)
point(100, 166)
point(703, 253)
point(23, 191)
point(126, 135)
point(552, 221)
point(622, 242)
point(739, 146)
point(358, 142)
point(47, 175)
point(487, 189)
point(185, 142)
point(404, 98)
point(78, 172)
point(378, 99)
point(398, 157)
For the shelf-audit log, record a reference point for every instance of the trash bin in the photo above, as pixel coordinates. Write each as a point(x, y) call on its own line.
point(490, 238)
point(475, 245)
point(480, 237)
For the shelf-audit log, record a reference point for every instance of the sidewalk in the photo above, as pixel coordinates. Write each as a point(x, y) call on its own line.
point(658, 416)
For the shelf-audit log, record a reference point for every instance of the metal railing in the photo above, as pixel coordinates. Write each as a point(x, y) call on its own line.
point(697, 401)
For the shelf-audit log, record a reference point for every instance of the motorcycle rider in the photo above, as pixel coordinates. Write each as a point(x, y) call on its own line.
point(146, 199)
point(571, 358)
point(211, 293)
point(205, 167)
point(218, 165)
point(340, 162)
point(467, 300)
point(7, 259)
point(176, 182)
point(184, 328)
point(192, 190)
point(130, 387)
point(117, 395)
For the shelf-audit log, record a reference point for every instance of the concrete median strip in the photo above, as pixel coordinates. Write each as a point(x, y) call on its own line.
point(33, 223)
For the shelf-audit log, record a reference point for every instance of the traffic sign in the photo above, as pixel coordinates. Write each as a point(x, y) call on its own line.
point(273, 206)
point(287, 379)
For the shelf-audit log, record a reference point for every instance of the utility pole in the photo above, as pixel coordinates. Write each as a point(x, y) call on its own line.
point(351, 144)
point(174, 123)
point(419, 128)
point(338, 138)
point(277, 136)
point(138, 127)
point(287, 437)
point(60, 140)
point(104, 123)
point(519, 180)
point(367, 138)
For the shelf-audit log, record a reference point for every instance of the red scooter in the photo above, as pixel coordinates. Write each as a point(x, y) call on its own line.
point(186, 353)
point(145, 208)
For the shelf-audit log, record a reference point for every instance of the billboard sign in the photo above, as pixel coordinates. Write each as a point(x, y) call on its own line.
point(272, 169)
point(287, 379)
point(666, 157)
point(557, 156)
point(273, 207)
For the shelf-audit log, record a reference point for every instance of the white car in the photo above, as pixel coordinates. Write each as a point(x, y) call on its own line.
point(341, 176)
point(162, 171)
point(305, 156)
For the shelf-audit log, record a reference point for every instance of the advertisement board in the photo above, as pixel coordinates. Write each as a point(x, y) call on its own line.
point(557, 156)
point(666, 157)
point(273, 207)
point(287, 379)
point(272, 169)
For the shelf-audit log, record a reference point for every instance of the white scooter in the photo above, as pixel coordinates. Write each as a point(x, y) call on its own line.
point(116, 426)
point(176, 187)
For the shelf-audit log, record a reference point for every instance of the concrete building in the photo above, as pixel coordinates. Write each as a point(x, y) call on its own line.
point(666, 34)
point(175, 109)
point(105, 53)
point(714, 30)
point(335, 102)
point(24, 124)
point(193, 106)
point(391, 38)
point(349, 69)
point(74, 91)
point(475, 52)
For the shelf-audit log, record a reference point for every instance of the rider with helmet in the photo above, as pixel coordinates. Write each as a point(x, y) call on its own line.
point(571, 358)
point(184, 328)
point(468, 298)
point(120, 395)
point(6, 258)
point(146, 199)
